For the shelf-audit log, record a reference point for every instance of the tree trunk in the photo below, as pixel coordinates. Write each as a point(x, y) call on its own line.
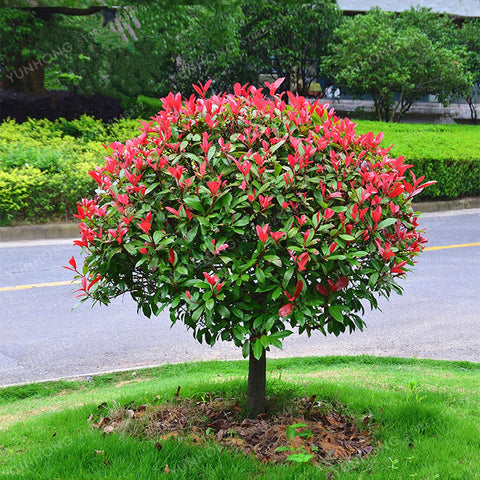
point(27, 77)
point(256, 384)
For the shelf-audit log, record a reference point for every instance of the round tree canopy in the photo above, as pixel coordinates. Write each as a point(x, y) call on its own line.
point(249, 216)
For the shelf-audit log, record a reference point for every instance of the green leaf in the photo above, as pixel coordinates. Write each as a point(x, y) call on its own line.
point(387, 222)
point(301, 457)
point(276, 343)
point(260, 275)
point(264, 340)
point(282, 334)
point(242, 222)
point(257, 349)
point(191, 234)
point(175, 302)
point(287, 276)
point(237, 312)
point(277, 146)
point(276, 293)
point(197, 313)
point(223, 200)
point(194, 202)
point(292, 232)
point(130, 248)
point(147, 311)
point(182, 270)
point(274, 259)
point(269, 324)
point(238, 333)
point(359, 253)
point(225, 259)
point(337, 257)
point(151, 188)
point(336, 312)
point(211, 152)
point(157, 236)
point(223, 310)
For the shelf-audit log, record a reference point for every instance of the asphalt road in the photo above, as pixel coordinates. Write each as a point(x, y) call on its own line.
point(41, 338)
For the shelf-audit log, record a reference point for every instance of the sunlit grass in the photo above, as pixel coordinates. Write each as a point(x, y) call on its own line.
point(426, 415)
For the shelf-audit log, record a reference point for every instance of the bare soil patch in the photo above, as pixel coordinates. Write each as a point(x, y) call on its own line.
point(311, 429)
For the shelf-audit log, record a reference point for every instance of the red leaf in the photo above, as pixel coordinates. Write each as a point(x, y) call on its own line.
point(298, 289)
point(213, 187)
point(211, 279)
point(328, 213)
point(146, 224)
point(302, 261)
point(201, 90)
point(277, 235)
point(322, 289)
point(342, 282)
point(396, 191)
point(262, 232)
point(172, 210)
point(273, 86)
point(286, 310)
point(73, 263)
point(171, 258)
point(93, 282)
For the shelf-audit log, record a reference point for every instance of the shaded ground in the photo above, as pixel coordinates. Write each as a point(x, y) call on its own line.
point(57, 104)
point(310, 431)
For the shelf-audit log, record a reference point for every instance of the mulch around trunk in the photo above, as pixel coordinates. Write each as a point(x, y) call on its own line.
point(329, 435)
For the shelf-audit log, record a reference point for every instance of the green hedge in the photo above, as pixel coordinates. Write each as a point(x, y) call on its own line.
point(449, 154)
point(44, 165)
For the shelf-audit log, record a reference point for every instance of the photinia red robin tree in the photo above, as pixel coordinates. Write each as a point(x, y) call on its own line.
point(250, 218)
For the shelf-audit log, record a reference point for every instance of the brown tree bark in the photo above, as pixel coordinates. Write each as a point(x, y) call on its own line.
point(27, 77)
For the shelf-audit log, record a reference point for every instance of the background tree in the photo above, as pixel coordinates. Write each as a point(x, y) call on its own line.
point(249, 219)
point(396, 62)
point(103, 50)
point(34, 39)
point(288, 39)
point(469, 37)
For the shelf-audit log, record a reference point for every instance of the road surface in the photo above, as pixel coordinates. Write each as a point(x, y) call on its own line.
point(42, 338)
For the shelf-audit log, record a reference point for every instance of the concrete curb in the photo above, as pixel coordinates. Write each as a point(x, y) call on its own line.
point(70, 230)
point(39, 232)
point(448, 205)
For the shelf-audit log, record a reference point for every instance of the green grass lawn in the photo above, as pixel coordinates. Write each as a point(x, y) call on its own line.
point(426, 412)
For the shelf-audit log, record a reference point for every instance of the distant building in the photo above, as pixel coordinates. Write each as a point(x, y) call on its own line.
point(460, 8)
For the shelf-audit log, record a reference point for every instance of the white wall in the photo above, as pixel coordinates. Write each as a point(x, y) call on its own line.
point(466, 8)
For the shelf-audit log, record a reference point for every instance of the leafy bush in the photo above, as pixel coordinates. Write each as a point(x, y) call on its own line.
point(249, 218)
point(44, 165)
point(32, 195)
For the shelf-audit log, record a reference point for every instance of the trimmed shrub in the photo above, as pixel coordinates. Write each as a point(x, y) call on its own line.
point(250, 218)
